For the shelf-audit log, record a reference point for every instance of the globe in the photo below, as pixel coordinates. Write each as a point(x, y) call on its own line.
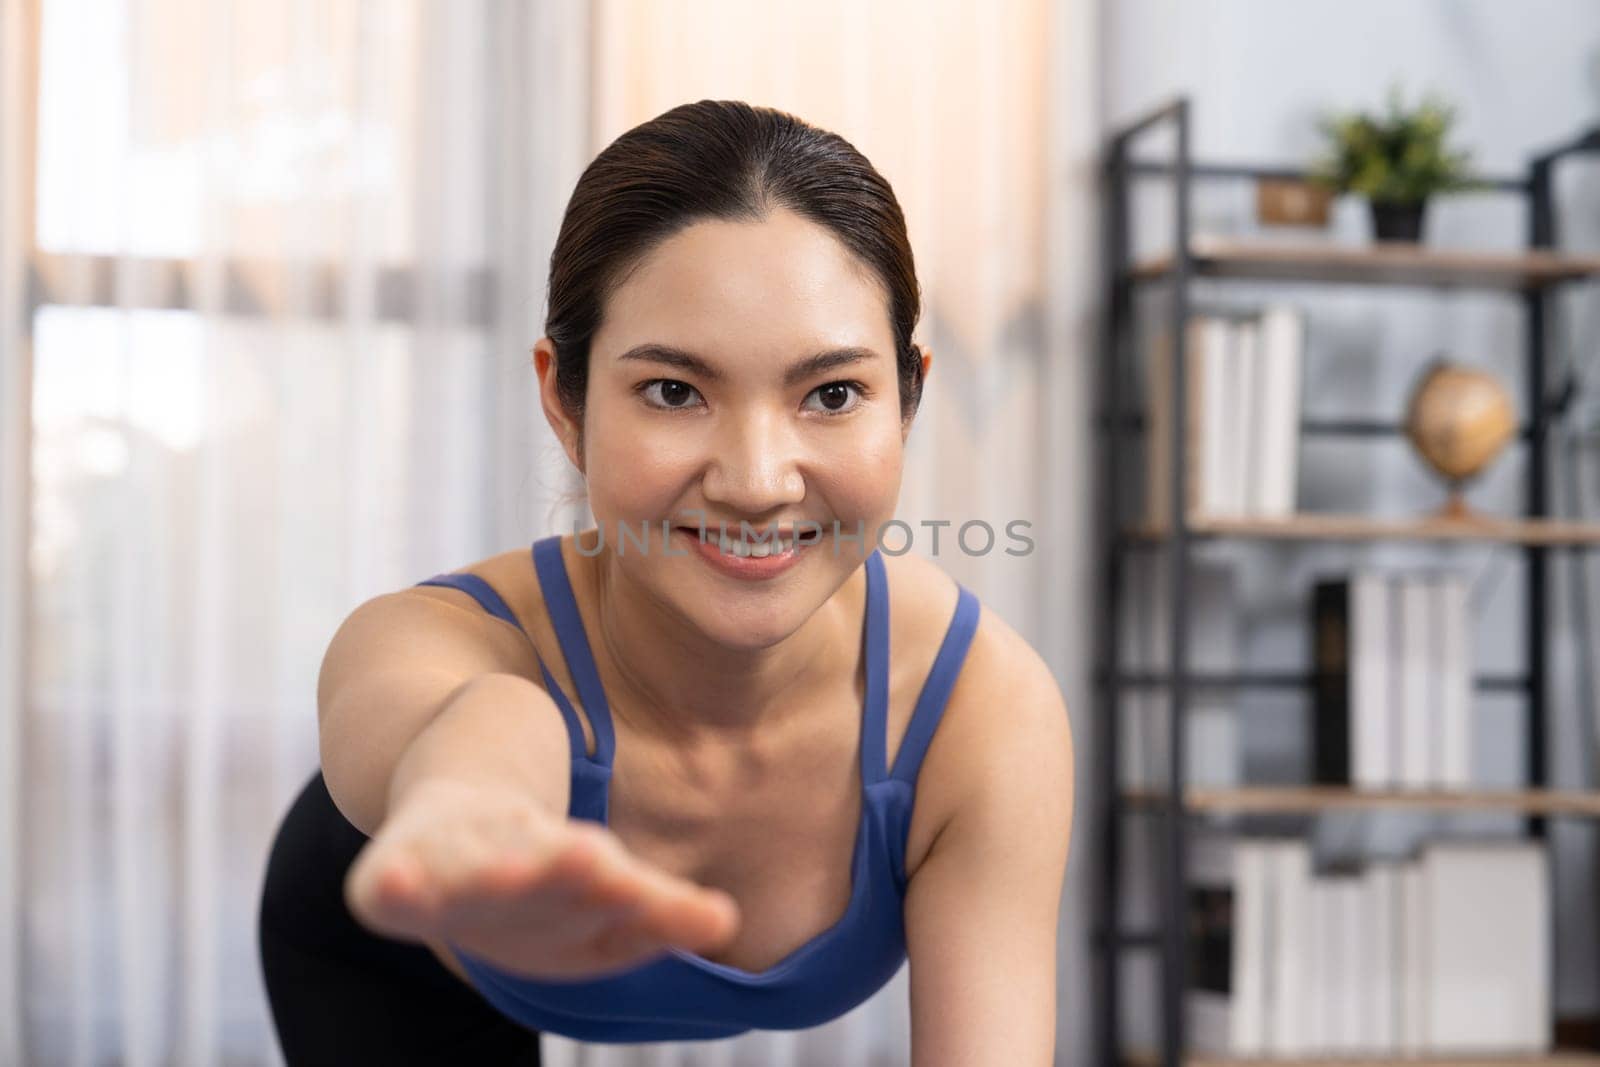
point(1459, 419)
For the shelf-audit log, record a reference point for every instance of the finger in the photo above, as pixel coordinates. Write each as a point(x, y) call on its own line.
point(485, 873)
point(568, 861)
point(391, 891)
point(690, 915)
point(563, 886)
point(400, 881)
point(661, 895)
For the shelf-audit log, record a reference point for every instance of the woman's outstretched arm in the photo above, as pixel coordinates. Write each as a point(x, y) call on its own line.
point(438, 746)
point(393, 668)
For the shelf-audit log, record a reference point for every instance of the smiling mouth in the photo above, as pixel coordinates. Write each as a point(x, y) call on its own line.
point(786, 539)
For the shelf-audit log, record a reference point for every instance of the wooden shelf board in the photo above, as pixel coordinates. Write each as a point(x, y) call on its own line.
point(1561, 1058)
point(1315, 798)
point(1377, 264)
point(1311, 526)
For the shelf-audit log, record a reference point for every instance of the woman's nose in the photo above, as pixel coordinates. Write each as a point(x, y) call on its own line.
point(756, 466)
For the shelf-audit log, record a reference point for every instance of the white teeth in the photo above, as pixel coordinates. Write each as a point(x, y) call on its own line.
point(755, 549)
point(772, 545)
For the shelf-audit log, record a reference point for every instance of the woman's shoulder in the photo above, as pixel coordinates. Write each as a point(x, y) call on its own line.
point(508, 573)
point(1005, 709)
point(924, 595)
point(1003, 739)
point(512, 577)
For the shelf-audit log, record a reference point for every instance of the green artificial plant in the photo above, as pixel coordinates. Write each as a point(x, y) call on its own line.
point(1399, 157)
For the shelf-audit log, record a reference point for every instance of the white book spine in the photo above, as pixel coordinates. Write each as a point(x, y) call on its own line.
point(1369, 685)
point(1294, 952)
point(1382, 889)
point(1456, 703)
point(1282, 353)
point(1434, 653)
point(1249, 962)
point(1209, 1017)
point(1488, 981)
point(1346, 1034)
point(1325, 967)
point(1416, 709)
point(1250, 439)
point(1413, 1015)
point(1394, 676)
point(1218, 426)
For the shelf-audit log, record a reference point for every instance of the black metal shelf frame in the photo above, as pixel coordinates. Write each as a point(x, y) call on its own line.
point(1167, 939)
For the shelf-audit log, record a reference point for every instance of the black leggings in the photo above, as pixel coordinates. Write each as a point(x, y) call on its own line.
point(341, 994)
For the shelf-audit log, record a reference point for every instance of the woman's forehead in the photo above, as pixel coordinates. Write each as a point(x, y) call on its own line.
point(784, 283)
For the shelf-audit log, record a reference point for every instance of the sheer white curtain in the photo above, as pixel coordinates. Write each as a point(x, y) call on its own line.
point(287, 263)
point(269, 274)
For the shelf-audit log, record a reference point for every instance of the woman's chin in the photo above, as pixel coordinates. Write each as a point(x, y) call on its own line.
point(747, 630)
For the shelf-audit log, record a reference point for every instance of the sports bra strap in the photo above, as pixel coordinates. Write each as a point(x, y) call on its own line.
point(479, 590)
point(562, 606)
point(494, 604)
point(936, 689)
point(875, 717)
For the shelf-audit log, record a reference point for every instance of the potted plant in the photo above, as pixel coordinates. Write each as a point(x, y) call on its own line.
point(1396, 160)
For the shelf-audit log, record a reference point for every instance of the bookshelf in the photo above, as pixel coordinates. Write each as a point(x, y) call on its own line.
point(1530, 276)
point(1384, 264)
point(1311, 799)
point(1331, 527)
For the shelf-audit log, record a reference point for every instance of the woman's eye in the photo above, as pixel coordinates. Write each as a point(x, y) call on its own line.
point(835, 396)
point(673, 393)
point(669, 394)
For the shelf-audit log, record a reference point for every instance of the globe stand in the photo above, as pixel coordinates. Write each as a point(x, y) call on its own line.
point(1456, 509)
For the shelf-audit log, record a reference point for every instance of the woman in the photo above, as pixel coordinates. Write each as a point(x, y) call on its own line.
point(666, 779)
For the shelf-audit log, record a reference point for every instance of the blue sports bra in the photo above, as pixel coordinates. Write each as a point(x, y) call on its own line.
point(681, 995)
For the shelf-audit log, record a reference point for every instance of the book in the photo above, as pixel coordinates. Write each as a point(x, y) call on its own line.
point(1241, 450)
point(1225, 1007)
point(1292, 955)
point(1216, 372)
point(1351, 713)
point(1411, 1013)
point(1278, 401)
point(1417, 710)
point(1326, 965)
point(1159, 392)
point(1372, 676)
point(1455, 684)
point(1485, 907)
point(1245, 428)
point(1252, 888)
point(1379, 933)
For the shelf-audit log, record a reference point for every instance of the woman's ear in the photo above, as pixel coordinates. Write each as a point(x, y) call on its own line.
point(925, 363)
point(568, 431)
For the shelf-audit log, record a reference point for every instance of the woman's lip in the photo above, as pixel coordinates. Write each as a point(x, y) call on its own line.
point(809, 536)
point(746, 567)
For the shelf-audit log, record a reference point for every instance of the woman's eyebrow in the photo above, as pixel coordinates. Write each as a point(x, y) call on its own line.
point(796, 372)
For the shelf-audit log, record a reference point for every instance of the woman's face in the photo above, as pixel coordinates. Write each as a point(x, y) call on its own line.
point(700, 404)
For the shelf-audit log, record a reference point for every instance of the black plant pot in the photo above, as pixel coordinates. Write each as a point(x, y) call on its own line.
point(1398, 220)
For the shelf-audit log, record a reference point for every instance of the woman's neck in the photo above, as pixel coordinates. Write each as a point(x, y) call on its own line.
point(679, 685)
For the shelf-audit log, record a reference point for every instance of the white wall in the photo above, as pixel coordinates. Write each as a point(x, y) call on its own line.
point(1525, 75)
